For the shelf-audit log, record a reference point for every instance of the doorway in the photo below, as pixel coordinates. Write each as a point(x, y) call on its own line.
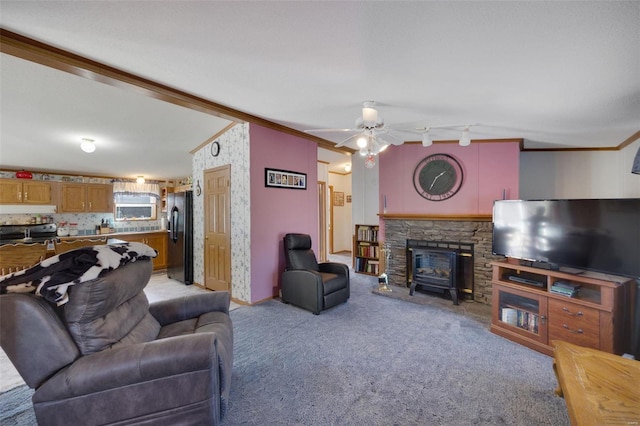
point(217, 224)
point(324, 228)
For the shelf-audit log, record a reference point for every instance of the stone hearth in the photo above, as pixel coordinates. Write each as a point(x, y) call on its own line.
point(477, 231)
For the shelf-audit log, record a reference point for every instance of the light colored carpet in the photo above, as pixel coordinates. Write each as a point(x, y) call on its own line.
point(373, 361)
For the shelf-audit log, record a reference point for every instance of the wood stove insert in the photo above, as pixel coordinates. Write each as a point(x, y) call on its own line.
point(440, 266)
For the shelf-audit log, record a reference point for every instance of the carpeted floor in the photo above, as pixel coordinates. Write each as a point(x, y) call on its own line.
point(373, 361)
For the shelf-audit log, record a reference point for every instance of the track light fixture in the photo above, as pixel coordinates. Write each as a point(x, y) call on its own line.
point(465, 139)
point(426, 138)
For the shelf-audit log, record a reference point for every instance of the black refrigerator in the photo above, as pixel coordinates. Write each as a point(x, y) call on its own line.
point(180, 234)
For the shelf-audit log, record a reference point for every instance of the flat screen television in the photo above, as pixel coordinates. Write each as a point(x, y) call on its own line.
point(595, 234)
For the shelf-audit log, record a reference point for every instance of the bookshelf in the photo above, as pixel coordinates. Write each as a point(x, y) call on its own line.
point(533, 307)
point(366, 250)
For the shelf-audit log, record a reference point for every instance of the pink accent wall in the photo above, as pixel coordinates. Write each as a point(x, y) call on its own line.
point(278, 211)
point(489, 168)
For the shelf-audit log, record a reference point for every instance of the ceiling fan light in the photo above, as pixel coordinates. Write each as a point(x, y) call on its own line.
point(374, 147)
point(370, 115)
point(426, 139)
point(87, 145)
point(370, 161)
point(363, 151)
point(465, 139)
point(362, 142)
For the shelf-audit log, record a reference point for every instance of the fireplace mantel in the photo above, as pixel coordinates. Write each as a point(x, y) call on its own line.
point(447, 217)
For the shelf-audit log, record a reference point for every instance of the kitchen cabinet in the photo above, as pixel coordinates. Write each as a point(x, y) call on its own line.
point(17, 191)
point(82, 197)
point(155, 240)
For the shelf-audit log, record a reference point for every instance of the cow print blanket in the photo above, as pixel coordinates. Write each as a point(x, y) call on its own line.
point(52, 277)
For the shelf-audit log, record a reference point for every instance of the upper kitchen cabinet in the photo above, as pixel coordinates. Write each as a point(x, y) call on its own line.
point(82, 197)
point(16, 191)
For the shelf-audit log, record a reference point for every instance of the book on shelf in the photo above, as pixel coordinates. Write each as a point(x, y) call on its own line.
point(565, 288)
point(367, 250)
point(527, 321)
point(367, 233)
point(373, 266)
point(520, 318)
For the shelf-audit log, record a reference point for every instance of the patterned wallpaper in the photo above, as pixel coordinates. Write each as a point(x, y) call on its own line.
point(234, 150)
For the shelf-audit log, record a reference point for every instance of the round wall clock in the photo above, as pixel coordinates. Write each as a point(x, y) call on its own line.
point(215, 149)
point(438, 177)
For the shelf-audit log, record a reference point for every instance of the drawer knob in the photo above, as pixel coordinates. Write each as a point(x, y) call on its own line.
point(578, 331)
point(577, 314)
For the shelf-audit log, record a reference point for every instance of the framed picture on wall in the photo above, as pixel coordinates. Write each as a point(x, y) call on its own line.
point(276, 178)
point(338, 198)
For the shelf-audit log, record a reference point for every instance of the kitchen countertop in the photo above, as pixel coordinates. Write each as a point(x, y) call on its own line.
point(110, 235)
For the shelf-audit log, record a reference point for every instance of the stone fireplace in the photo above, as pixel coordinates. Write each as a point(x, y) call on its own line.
point(472, 231)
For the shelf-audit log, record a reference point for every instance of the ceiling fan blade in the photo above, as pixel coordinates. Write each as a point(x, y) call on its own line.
point(389, 136)
point(347, 140)
point(331, 130)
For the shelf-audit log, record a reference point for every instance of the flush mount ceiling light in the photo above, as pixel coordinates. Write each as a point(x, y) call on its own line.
point(140, 180)
point(87, 145)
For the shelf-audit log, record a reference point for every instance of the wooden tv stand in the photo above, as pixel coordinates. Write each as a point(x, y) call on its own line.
point(598, 316)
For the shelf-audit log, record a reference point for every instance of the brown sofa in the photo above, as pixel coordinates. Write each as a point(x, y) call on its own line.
point(108, 357)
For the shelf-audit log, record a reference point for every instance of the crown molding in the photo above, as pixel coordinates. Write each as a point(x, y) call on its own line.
point(44, 54)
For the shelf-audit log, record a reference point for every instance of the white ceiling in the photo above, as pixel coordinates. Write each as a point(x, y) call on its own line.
point(557, 74)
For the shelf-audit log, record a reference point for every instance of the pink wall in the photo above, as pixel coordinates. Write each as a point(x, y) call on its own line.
point(489, 168)
point(277, 211)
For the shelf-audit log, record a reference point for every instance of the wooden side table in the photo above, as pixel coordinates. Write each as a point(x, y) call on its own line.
point(600, 388)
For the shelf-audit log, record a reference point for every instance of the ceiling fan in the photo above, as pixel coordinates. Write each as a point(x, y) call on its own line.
point(372, 136)
point(369, 128)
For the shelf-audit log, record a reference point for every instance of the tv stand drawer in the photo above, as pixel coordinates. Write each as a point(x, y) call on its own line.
point(574, 323)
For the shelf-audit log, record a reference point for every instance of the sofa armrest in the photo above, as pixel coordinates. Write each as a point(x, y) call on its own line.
point(114, 368)
point(188, 307)
point(334, 268)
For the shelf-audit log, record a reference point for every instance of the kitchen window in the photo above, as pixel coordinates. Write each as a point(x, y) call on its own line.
point(135, 208)
point(135, 201)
